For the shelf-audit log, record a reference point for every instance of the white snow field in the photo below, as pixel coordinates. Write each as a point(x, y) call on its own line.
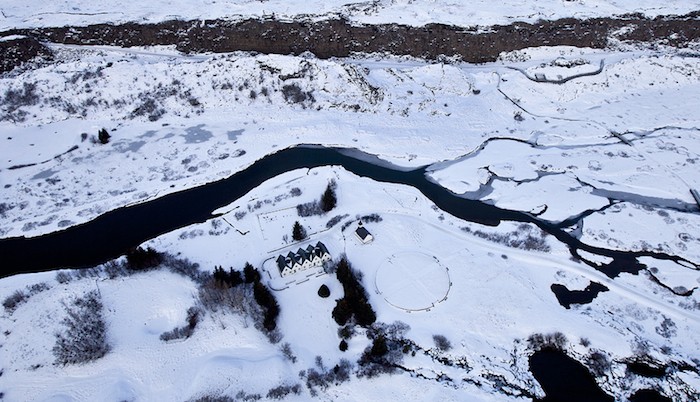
point(498, 296)
point(611, 156)
point(35, 13)
point(412, 281)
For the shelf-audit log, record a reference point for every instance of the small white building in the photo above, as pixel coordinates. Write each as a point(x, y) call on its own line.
point(312, 256)
point(363, 234)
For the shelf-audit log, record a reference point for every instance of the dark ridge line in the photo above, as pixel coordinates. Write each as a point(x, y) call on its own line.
point(339, 38)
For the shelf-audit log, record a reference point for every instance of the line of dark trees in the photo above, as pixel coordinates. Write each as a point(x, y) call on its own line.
point(355, 303)
point(263, 296)
point(326, 203)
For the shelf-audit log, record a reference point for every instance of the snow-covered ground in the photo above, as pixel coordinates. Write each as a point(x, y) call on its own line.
point(613, 154)
point(497, 297)
point(34, 13)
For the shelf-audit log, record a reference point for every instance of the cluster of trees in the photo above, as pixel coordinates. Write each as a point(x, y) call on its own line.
point(387, 349)
point(322, 376)
point(138, 258)
point(263, 296)
point(326, 203)
point(232, 277)
point(355, 303)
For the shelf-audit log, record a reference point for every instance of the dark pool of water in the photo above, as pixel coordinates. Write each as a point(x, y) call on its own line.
point(564, 379)
point(568, 297)
point(648, 395)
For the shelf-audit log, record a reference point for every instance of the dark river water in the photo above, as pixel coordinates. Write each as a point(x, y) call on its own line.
point(111, 234)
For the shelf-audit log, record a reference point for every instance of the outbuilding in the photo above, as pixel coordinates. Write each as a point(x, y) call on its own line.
point(363, 234)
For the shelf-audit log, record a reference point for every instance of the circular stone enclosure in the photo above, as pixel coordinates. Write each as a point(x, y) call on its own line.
point(413, 281)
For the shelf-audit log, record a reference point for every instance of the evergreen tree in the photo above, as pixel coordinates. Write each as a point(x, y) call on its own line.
point(250, 274)
point(298, 232)
point(328, 199)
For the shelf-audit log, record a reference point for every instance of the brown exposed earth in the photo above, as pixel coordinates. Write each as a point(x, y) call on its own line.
point(14, 52)
point(339, 38)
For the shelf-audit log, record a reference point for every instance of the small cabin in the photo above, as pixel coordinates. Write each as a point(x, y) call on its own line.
point(363, 234)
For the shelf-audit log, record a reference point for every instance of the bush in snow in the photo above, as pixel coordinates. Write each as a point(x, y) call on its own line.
point(14, 300)
point(103, 136)
point(335, 220)
point(667, 329)
point(63, 277)
point(21, 296)
point(84, 338)
point(370, 218)
point(280, 392)
point(244, 396)
point(309, 209)
point(286, 350)
point(442, 343)
point(185, 331)
point(555, 340)
point(14, 99)
point(598, 363)
point(294, 94)
point(323, 291)
point(320, 377)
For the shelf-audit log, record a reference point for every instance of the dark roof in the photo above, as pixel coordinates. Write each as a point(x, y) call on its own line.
point(301, 255)
point(362, 232)
point(322, 247)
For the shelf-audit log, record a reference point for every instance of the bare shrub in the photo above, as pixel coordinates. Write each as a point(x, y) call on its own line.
point(281, 391)
point(371, 218)
point(244, 396)
point(14, 300)
point(442, 343)
point(63, 277)
point(525, 237)
point(294, 94)
point(84, 338)
point(321, 377)
point(184, 332)
point(287, 352)
point(309, 209)
point(15, 99)
point(148, 107)
point(21, 296)
point(555, 340)
point(598, 363)
point(667, 328)
point(335, 220)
